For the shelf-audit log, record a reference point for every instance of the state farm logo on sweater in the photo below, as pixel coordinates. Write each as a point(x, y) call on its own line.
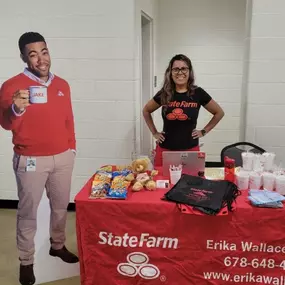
point(60, 94)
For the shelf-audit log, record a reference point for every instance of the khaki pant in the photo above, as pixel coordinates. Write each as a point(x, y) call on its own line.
point(52, 173)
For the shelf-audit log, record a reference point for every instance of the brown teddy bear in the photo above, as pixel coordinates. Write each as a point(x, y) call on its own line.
point(143, 177)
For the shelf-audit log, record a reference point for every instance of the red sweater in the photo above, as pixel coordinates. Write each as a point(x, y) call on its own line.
point(44, 129)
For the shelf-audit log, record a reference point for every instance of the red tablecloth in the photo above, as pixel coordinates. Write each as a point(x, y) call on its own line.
point(144, 240)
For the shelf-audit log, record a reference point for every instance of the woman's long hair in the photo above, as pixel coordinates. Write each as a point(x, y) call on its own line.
point(169, 88)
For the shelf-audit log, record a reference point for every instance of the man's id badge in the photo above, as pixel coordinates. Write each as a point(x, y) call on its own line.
point(31, 164)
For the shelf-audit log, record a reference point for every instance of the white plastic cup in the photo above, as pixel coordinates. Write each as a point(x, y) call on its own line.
point(255, 180)
point(175, 175)
point(38, 94)
point(268, 161)
point(242, 180)
point(257, 165)
point(280, 184)
point(268, 181)
point(247, 160)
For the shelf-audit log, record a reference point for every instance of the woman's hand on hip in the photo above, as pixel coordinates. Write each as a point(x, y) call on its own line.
point(197, 134)
point(159, 137)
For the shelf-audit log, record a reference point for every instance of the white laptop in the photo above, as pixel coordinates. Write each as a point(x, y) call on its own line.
point(192, 162)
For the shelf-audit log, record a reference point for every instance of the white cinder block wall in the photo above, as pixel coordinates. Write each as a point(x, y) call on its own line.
point(150, 9)
point(93, 47)
point(266, 82)
point(212, 34)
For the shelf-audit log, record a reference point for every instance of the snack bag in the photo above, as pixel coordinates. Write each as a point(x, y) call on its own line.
point(103, 176)
point(124, 173)
point(100, 184)
point(106, 168)
point(118, 189)
point(99, 190)
point(122, 167)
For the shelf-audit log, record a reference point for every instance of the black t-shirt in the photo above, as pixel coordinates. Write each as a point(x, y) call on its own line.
point(180, 118)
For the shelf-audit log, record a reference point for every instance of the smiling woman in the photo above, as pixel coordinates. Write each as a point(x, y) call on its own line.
point(180, 100)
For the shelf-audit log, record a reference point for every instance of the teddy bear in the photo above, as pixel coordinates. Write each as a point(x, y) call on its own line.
point(143, 177)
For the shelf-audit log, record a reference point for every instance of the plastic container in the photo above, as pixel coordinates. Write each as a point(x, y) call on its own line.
point(242, 180)
point(280, 184)
point(268, 181)
point(175, 175)
point(255, 180)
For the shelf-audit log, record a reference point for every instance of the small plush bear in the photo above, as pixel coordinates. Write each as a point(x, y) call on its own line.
point(143, 177)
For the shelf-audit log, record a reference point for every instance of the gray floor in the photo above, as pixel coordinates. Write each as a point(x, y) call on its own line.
point(9, 264)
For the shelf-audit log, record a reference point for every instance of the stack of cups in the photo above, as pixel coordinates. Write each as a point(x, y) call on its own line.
point(268, 159)
point(247, 160)
point(242, 180)
point(257, 165)
point(268, 181)
point(280, 184)
point(255, 180)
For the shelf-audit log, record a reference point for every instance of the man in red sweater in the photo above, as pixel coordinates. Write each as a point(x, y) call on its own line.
point(44, 150)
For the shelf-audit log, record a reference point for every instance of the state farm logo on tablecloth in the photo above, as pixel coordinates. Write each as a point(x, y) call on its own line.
point(138, 264)
point(142, 240)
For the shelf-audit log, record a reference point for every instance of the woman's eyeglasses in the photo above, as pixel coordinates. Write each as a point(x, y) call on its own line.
point(184, 70)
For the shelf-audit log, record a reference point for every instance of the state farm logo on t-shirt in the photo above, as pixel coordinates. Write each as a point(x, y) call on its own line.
point(177, 114)
point(183, 104)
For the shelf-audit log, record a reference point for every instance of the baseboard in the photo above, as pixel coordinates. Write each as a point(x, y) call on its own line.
point(13, 204)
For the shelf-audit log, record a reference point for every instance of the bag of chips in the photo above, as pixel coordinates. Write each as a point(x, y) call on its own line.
point(101, 184)
point(99, 190)
point(107, 168)
point(119, 187)
point(124, 173)
point(103, 176)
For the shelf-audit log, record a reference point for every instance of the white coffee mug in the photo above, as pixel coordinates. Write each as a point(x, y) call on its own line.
point(38, 94)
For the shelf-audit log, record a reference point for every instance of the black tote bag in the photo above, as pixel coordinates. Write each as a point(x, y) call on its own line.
point(202, 193)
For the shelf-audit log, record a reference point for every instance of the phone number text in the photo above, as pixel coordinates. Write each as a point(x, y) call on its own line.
point(254, 263)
